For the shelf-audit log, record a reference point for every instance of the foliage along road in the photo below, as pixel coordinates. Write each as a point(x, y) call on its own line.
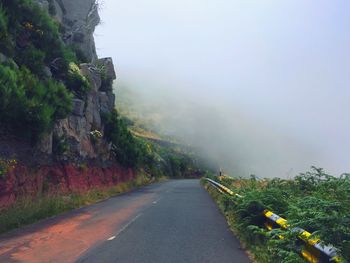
point(175, 221)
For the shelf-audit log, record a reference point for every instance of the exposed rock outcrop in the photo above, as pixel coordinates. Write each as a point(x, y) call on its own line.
point(79, 19)
point(75, 137)
point(77, 131)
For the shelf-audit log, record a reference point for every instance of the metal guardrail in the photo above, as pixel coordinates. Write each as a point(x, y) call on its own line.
point(314, 250)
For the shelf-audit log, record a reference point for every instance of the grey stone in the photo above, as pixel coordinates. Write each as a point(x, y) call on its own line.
point(106, 64)
point(77, 125)
point(79, 37)
point(111, 100)
point(97, 123)
point(92, 74)
point(103, 99)
point(80, 19)
point(45, 144)
point(78, 107)
point(3, 58)
point(44, 4)
point(59, 12)
point(92, 112)
point(47, 72)
point(107, 101)
point(89, 109)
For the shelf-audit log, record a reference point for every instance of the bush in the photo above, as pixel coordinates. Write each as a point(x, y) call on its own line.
point(32, 28)
point(314, 201)
point(128, 150)
point(30, 100)
point(3, 21)
point(76, 82)
point(6, 44)
point(33, 59)
point(28, 106)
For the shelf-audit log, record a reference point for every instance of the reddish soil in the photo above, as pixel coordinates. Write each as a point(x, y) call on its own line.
point(24, 182)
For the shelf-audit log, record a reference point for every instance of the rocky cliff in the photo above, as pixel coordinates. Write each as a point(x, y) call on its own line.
point(81, 133)
point(78, 19)
point(78, 140)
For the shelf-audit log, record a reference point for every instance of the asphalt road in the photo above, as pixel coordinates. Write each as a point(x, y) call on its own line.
point(175, 221)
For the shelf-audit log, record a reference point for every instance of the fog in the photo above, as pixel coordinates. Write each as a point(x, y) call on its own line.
point(258, 87)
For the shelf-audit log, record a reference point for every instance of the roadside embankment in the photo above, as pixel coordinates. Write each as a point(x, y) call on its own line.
point(28, 195)
point(314, 203)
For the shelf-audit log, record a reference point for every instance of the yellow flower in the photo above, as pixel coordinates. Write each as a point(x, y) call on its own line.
point(74, 68)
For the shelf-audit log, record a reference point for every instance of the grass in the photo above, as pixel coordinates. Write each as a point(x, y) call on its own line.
point(314, 201)
point(27, 211)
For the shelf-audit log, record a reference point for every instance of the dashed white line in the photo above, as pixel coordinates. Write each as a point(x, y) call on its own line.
point(128, 224)
point(156, 201)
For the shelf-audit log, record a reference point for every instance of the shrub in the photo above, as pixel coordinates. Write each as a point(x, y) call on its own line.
point(32, 28)
point(31, 101)
point(6, 44)
point(127, 150)
point(33, 59)
point(314, 201)
point(29, 106)
point(3, 21)
point(76, 82)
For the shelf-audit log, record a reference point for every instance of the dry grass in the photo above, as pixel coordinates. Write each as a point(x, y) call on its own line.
point(28, 211)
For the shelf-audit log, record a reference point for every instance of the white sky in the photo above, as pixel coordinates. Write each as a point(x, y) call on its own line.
point(282, 66)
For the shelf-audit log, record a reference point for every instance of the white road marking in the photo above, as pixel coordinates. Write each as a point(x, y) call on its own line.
point(128, 224)
point(111, 238)
point(156, 201)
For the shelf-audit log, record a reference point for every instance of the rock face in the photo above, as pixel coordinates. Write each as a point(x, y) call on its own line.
point(76, 132)
point(73, 138)
point(79, 19)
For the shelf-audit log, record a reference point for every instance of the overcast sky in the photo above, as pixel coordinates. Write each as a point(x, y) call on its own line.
point(272, 76)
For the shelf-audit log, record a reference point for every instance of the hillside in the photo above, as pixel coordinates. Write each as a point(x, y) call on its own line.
point(62, 142)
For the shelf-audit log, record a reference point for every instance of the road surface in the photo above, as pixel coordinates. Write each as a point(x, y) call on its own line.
point(174, 221)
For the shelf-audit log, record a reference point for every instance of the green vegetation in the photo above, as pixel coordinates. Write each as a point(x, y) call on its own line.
point(161, 154)
point(76, 82)
point(28, 211)
point(136, 152)
point(128, 150)
point(39, 77)
point(314, 201)
point(37, 81)
point(178, 163)
point(106, 83)
point(29, 106)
